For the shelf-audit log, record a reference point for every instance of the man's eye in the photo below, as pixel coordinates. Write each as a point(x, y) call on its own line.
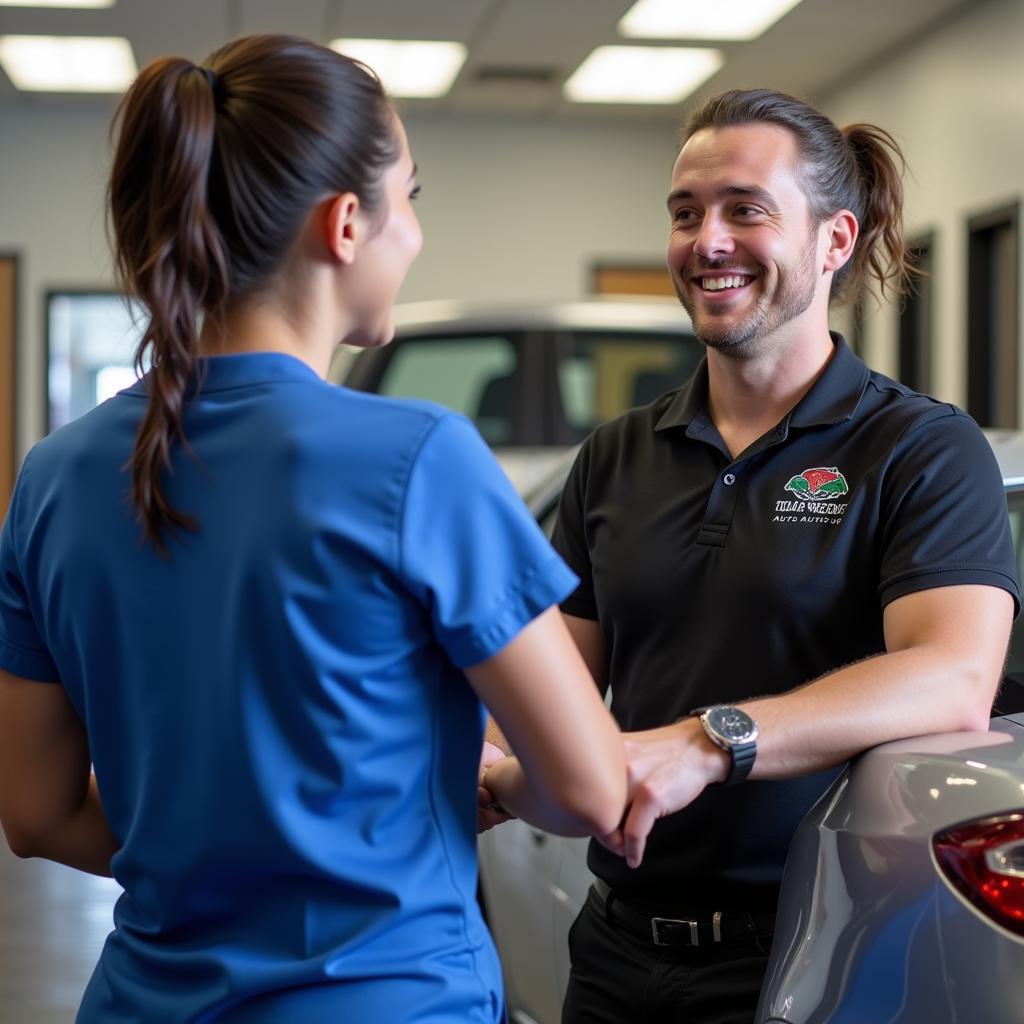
point(747, 211)
point(415, 193)
point(683, 216)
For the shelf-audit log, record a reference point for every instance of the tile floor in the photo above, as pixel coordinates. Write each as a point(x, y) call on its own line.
point(53, 921)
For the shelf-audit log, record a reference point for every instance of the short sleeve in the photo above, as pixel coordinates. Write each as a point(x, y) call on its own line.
point(22, 650)
point(570, 539)
point(470, 550)
point(943, 515)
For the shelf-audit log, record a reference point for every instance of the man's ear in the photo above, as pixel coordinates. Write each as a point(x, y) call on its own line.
point(842, 231)
point(342, 227)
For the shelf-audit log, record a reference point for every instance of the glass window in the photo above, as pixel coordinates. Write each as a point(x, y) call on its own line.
point(473, 376)
point(92, 340)
point(1011, 698)
point(600, 376)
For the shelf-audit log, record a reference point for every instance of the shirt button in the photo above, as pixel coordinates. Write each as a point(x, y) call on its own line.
point(728, 479)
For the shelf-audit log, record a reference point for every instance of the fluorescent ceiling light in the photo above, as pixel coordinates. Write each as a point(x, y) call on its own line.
point(408, 67)
point(685, 19)
point(57, 3)
point(641, 74)
point(68, 63)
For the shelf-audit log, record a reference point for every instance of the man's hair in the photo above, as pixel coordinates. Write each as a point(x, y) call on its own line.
point(857, 168)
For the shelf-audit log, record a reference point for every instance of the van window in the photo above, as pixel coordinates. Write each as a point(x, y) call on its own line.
point(600, 376)
point(471, 375)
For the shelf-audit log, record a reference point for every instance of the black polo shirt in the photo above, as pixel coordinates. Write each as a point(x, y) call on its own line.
point(717, 579)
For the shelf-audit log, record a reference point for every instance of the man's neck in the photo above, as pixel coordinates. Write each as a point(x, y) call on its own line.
point(749, 396)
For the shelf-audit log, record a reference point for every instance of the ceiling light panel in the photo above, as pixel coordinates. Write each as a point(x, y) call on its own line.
point(408, 67)
point(641, 74)
point(58, 3)
point(98, 64)
point(685, 19)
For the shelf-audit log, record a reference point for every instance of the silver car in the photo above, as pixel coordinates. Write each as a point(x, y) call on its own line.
point(903, 895)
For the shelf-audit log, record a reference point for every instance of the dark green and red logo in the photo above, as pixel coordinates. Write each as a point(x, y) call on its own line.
point(823, 483)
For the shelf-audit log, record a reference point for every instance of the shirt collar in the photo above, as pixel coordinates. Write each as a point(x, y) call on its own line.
point(833, 397)
point(218, 373)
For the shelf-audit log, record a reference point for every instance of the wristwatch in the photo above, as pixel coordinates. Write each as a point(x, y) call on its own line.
point(733, 730)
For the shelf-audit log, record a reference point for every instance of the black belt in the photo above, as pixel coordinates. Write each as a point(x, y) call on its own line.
point(724, 927)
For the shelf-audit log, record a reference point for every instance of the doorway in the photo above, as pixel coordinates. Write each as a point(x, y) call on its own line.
point(915, 330)
point(992, 317)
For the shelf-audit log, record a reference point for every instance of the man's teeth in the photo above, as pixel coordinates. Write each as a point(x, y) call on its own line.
point(716, 284)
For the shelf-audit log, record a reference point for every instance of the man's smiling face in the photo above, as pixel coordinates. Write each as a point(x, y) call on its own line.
point(743, 248)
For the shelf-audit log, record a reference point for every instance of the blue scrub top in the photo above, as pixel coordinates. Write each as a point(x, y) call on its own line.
point(283, 739)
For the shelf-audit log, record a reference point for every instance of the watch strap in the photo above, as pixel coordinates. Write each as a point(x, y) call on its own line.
point(742, 757)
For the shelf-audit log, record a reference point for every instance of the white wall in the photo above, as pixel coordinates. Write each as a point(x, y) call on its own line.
point(52, 169)
point(511, 209)
point(521, 208)
point(955, 102)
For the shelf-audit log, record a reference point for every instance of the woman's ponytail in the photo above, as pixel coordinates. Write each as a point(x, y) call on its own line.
point(216, 171)
point(168, 257)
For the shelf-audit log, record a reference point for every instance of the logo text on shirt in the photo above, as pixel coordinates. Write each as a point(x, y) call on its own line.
point(814, 493)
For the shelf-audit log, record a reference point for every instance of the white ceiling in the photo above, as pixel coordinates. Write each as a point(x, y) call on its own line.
point(520, 51)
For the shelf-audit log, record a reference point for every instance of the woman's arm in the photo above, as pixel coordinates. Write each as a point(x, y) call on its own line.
point(569, 775)
point(49, 804)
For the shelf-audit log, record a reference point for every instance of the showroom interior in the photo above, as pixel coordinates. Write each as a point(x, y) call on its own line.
point(531, 193)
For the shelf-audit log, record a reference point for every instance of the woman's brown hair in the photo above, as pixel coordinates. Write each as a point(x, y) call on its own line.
point(215, 170)
point(858, 168)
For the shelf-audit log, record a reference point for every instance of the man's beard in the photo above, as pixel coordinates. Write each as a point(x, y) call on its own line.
point(792, 298)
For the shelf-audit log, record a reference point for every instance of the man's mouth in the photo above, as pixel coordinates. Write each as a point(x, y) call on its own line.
point(725, 282)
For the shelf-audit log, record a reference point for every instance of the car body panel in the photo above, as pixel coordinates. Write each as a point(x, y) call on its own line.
point(867, 918)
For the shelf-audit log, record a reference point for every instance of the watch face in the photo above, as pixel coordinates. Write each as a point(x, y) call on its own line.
point(732, 724)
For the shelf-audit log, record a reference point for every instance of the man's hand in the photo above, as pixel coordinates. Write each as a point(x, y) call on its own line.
point(488, 813)
point(667, 769)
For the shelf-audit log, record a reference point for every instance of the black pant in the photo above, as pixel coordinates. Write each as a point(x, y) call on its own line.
point(619, 978)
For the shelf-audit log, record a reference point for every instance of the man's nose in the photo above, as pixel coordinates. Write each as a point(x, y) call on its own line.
point(714, 238)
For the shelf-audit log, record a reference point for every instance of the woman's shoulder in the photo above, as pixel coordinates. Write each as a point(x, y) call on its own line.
point(382, 423)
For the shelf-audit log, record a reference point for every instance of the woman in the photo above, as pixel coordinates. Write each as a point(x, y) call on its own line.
point(262, 596)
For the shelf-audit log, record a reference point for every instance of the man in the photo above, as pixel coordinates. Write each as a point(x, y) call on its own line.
point(790, 535)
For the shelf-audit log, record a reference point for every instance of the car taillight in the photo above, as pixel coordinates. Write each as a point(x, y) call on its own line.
point(984, 859)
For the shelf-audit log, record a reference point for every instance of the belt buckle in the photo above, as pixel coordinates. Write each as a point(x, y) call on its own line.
point(656, 922)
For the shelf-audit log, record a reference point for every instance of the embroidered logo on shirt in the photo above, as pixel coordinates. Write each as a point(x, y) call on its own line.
point(819, 484)
point(814, 497)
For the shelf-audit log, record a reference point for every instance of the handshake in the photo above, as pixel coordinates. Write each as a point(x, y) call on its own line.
point(488, 811)
point(666, 769)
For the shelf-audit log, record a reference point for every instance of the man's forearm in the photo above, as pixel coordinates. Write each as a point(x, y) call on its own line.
point(945, 652)
point(891, 696)
point(493, 734)
point(945, 655)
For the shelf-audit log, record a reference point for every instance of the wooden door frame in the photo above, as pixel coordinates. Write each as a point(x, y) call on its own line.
point(9, 331)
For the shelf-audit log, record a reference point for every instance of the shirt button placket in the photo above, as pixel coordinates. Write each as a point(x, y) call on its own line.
point(718, 517)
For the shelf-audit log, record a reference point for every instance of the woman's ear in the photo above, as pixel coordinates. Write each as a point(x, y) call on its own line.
point(342, 227)
point(843, 230)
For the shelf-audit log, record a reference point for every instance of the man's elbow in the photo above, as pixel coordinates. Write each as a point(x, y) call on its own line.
point(977, 689)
